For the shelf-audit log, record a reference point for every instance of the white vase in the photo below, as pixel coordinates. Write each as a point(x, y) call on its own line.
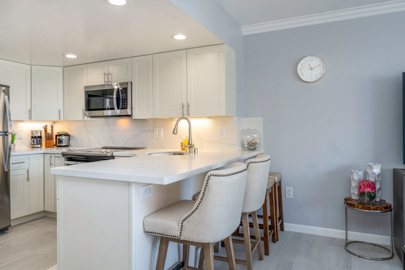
point(356, 176)
point(374, 175)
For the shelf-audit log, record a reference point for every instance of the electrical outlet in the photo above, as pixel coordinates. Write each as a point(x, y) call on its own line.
point(146, 191)
point(222, 133)
point(19, 134)
point(289, 192)
point(158, 133)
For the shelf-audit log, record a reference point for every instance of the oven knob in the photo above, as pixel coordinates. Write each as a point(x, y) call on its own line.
point(108, 150)
point(103, 151)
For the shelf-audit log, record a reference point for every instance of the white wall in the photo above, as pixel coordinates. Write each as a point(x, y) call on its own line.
point(316, 133)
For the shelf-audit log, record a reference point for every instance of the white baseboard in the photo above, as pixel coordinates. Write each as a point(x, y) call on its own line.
point(378, 239)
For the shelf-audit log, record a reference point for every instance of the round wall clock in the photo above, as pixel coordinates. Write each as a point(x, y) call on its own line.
point(311, 69)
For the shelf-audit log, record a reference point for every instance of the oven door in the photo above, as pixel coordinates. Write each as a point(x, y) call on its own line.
point(108, 100)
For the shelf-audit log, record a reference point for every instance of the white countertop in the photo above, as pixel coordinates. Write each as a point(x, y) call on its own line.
point(34, 151)
point(162, 170)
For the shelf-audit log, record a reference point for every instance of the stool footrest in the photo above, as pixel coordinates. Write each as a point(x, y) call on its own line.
point(225, 259)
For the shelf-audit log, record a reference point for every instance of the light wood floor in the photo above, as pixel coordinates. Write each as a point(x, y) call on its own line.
point(29, 246)
point(33, 246)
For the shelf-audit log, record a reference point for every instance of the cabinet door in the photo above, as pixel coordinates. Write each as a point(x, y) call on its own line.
point(206, 81)
point(18, 77)
point(169, 83)
point(49, 183)
point(36, 179)
point(97, 73)
point(19, 193)
point(74, 82)
point(142, 89)
point(47, 93)
point(120, 71)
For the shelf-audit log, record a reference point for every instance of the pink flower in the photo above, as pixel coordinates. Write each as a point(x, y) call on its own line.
point(366, 187)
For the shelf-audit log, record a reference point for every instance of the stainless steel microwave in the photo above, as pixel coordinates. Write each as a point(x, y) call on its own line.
point(108, 100)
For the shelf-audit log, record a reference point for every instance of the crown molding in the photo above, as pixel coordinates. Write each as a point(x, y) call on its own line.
point(326, 17)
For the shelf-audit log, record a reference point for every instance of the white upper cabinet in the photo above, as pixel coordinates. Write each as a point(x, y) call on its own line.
point(109, 72)
point(97, 73)
point(18, 77)
point(169, 83)
point(211, 81)
point(120, 70)
point(142, 87)
point(47, 93)
point(74, 82)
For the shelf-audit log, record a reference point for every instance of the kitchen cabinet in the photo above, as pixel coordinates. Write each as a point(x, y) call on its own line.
point(142, 87)
point(47, 93)
point(120, 70)
point(51, 161)
point(19, 193)
point(18, 77)
point(97, 73)
point(169, 83)
point(36, 182)
point(74, 82)
point(109, 72)
point(211, 81)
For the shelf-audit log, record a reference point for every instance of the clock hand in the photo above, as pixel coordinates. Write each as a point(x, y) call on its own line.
point(310, 66)
point(316, 66)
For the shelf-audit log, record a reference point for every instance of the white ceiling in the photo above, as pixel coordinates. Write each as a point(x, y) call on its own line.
point(39, 32)
point(247, 12)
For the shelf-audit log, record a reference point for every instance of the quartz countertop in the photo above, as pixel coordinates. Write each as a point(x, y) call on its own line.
point(35, 151)
point(163, 170)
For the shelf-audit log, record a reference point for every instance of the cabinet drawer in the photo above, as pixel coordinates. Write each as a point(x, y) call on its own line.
point(18, 162)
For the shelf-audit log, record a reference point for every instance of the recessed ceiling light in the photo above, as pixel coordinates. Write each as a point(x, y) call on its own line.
point(179, 37)
point(117, 2)
point(71, 56)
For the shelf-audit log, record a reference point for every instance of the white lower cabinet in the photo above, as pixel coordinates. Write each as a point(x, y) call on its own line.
point(19, 193)
point(51, 161)
point(27, 186)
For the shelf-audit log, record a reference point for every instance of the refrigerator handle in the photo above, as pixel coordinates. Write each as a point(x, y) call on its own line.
point(6, 136)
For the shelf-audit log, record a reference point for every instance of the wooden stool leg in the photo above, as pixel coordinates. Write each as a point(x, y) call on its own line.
point(201, 260)
point(216, 247)
point(257, 235)
point(246, 236)
point(164, 243)
point(229, 253)
point(186, 249)
point(266, 226)
point(273, 214)
point(280, 206)
point(209, 256)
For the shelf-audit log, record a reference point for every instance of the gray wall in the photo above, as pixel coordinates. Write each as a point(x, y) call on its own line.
point(316, 133)
point(213, 17)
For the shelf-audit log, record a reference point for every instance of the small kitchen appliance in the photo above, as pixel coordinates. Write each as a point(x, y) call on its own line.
point(62, 139)
point(108, 100)
point(36, 139)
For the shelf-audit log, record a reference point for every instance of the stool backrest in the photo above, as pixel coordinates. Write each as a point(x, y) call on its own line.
point(256, 185)
point(217, 211)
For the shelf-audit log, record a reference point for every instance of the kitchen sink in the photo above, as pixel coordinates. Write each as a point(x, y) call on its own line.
point(170, 153)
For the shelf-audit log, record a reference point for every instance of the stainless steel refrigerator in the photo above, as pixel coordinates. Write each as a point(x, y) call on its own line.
point(5, 154)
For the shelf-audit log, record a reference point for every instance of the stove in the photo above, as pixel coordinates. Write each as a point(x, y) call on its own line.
point(73, 156)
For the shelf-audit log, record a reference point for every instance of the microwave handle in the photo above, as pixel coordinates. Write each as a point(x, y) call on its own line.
point(115, 99)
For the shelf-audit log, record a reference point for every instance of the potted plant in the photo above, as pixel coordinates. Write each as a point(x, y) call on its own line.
point(13, 135)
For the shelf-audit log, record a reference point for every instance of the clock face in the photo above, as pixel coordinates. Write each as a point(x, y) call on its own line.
point(311, 69)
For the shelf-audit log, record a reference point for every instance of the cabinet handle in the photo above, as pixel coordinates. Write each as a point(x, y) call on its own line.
point(21, 162)
point(105, 79)
point(182, 109)
point(83, 113)
point(29, 114)
point(59, 114)
point(188, 109)
point(109, 77)
point(28, 175)
point(50, 161)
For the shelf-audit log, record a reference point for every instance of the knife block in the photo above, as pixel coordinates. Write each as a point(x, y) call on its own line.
point(49, 140)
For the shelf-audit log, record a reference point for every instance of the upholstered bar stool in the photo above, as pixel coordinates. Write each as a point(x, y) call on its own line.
point(257, 178)
point(213, 217)
point(279, 202)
